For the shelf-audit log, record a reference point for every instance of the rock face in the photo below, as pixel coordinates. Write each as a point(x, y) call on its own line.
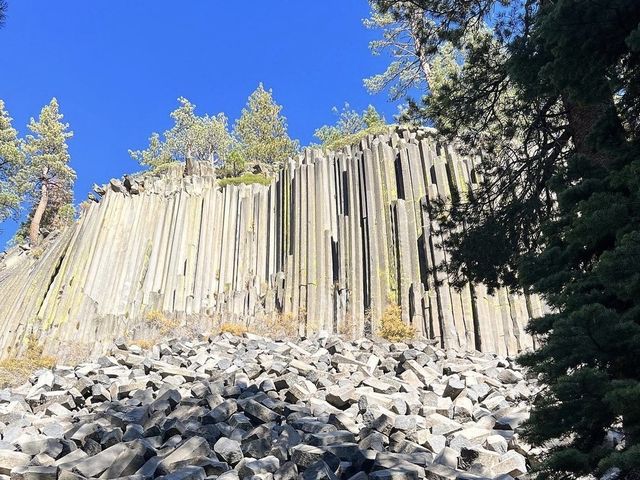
point(241, 408)
point(332, 241)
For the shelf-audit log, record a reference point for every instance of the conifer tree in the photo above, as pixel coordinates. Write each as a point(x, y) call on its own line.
point(349, 124)
point(262, 132)
point(12, 164)
point(49, 172)
point(403, 28)
point(549, 96)
point(192, 138)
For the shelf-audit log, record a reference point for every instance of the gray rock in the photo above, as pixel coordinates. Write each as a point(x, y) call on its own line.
point(229, 450)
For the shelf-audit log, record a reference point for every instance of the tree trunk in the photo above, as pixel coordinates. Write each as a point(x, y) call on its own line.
point(188, 164)
point(34, 228)
point(417, 27)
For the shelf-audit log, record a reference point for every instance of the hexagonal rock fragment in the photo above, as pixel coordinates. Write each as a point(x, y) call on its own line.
point(454, 387)
point(341, 397)
point(306, 455)
point(192, 448)
point(509, 376)
point(470, 456)
point(383, 423)
point(229, 450)
point(258, 411)
point(94, 466)
point(511, 463)
point(496, 443)
point(268, 464)
point(34, 473)
point(130, 460)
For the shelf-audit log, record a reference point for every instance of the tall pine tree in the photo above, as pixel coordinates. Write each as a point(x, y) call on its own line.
point(262, 132)
point(549, 95)
point(192, 138)
point(49, 172)
point(12, 164)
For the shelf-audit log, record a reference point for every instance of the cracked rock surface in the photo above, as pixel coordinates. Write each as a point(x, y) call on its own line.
point(252, 408)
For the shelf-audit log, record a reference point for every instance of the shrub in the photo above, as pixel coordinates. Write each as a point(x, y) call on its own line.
point(159, 320)
point(233, 328)
point(392, 327)
point(143, 343)
point(245, 179)
point(355, 138)
point(16, 371)
point(284, 324)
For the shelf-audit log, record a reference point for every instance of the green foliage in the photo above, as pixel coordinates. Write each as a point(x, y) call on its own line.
point(401, 27)
point(549, 96)
point(48, 170)
point(199, 138)
point(262, 132)
point(13, 183)
point(234, 165)
point(245, 179)
point(351, 127)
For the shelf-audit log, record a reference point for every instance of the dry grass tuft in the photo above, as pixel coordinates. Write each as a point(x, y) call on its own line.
point(392, 327)
point(16, 371)
point(233, 328)
point(160, 321)
point(143, 343)
point(284, 325)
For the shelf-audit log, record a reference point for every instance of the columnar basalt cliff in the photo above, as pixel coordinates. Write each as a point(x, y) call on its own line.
point(332, 241)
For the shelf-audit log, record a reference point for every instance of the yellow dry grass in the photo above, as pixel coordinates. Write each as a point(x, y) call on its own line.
point(233, 329)
point(16, 371)
point(160, 321)
point(392, 327)
point(144, 343)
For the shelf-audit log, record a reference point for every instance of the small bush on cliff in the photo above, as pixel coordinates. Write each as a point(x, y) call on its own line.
point(16, 371)
point(392, 327)
point(159, 320)
point(245, 179)
point(351, 127)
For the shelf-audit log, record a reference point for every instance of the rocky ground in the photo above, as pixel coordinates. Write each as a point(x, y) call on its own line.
point(252, 408)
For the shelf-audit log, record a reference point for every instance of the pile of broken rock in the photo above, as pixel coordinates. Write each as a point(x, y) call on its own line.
point(249, 407)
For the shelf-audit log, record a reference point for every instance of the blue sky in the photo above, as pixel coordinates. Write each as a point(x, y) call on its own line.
point(117, 67)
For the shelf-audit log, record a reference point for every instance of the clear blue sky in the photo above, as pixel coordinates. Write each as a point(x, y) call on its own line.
point(117, 67)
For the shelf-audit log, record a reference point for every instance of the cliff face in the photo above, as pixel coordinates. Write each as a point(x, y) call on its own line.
point(332, 241)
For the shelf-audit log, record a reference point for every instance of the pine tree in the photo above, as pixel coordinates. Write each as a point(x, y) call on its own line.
point(549, 97)
point(403, 29)
point(49, 172)
point(12, 164)
point(192, 138)
point(349, 126)
point(262, 132)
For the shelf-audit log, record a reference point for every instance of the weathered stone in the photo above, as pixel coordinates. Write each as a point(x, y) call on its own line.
point(34, 473)
point(229, 450)
point(268, 464)
point(511, 463)
point(10, 460)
